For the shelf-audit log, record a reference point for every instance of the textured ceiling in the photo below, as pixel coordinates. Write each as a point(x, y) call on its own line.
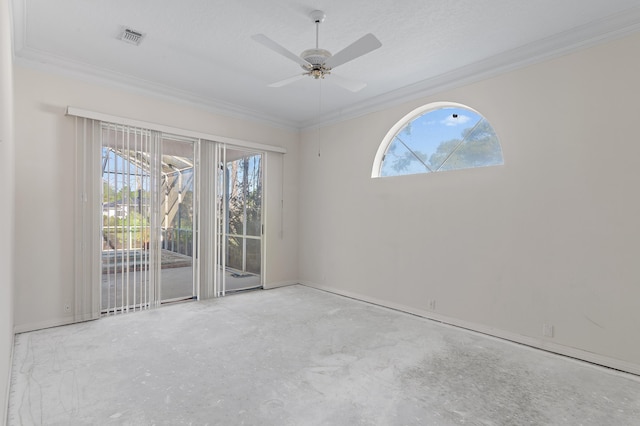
point(201, 51)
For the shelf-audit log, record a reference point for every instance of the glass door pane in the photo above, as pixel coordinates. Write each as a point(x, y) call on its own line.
point(177, 219)
point(243, 220)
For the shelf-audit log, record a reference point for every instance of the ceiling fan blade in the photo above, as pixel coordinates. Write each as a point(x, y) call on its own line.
point(267, 42)
point(360, 47)
point(347, 83)
point(288, 80)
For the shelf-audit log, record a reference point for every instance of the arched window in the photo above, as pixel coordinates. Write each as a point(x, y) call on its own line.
point(438, 137)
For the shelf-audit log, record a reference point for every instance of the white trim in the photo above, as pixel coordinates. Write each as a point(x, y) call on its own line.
point(271, 286)
point(29, 57)
point(395, 129)
point(34, 326)
point(263, 220)
point(222, 159)
point(5, 420)
point(575, 39)
point(578, 354)
point(570, 41)
point(79, 112)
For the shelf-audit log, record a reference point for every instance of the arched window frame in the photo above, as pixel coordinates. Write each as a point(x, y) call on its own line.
point(399, 126)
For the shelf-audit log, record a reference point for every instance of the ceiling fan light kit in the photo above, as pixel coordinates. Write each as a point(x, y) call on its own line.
point(318, 63)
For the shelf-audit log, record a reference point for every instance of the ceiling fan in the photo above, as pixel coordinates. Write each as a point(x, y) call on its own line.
point(319, 63)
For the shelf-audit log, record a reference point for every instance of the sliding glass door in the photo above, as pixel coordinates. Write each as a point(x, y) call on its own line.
point(147, 219)
point(242, 197)
point(180, 218)
point(162, 217)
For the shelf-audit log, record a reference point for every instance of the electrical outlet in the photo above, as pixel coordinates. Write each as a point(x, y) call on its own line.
point(67, 307)
point(547, 330)
point(432, 304)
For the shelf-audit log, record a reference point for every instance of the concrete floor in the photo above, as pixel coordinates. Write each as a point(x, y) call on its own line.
point(299, 356)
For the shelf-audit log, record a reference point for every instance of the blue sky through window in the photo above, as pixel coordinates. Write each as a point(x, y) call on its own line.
point(442, 139)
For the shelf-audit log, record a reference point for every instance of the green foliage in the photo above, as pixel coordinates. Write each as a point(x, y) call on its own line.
point(478, 147)
point(245, 195)
point(108, 192)
point(403, 161)
point(124, 194)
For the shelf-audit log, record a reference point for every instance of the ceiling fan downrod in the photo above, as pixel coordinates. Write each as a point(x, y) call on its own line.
point(318, 17)
point(316, 57)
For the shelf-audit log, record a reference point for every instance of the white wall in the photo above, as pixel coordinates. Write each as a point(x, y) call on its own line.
point(44, 184)
point(551, 237)
point(6, 211)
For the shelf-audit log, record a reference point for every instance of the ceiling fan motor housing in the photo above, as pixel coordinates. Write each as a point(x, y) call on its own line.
point(315, 57)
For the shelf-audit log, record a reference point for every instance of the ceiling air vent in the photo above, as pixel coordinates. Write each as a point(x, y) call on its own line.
point(131, 36)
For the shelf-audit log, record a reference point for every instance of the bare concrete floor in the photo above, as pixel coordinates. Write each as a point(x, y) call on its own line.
point(299, 356)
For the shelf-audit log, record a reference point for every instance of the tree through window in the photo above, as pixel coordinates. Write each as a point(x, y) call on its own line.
point(436, 139)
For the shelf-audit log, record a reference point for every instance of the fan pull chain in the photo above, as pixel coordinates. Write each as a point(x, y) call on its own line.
point(319, 112)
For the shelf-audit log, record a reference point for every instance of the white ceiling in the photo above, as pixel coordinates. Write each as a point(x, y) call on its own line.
point(201, 51)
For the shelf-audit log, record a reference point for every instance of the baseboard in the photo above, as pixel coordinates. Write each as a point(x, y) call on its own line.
point(270, 286)
point(5, 420)
point(24, 328)
point(578, 354)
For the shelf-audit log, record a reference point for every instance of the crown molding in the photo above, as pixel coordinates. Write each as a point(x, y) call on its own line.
point(43, 61)
point(29, 57)
point(573, 40)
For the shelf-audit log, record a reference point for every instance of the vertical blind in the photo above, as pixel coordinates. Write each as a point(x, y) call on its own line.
point(129, 250)
point(122, 211)
point(211, 265)
point(117, 244)
point(87, 238)
point(119, 213)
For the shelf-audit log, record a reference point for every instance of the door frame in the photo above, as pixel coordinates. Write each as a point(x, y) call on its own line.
point(224, 212)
